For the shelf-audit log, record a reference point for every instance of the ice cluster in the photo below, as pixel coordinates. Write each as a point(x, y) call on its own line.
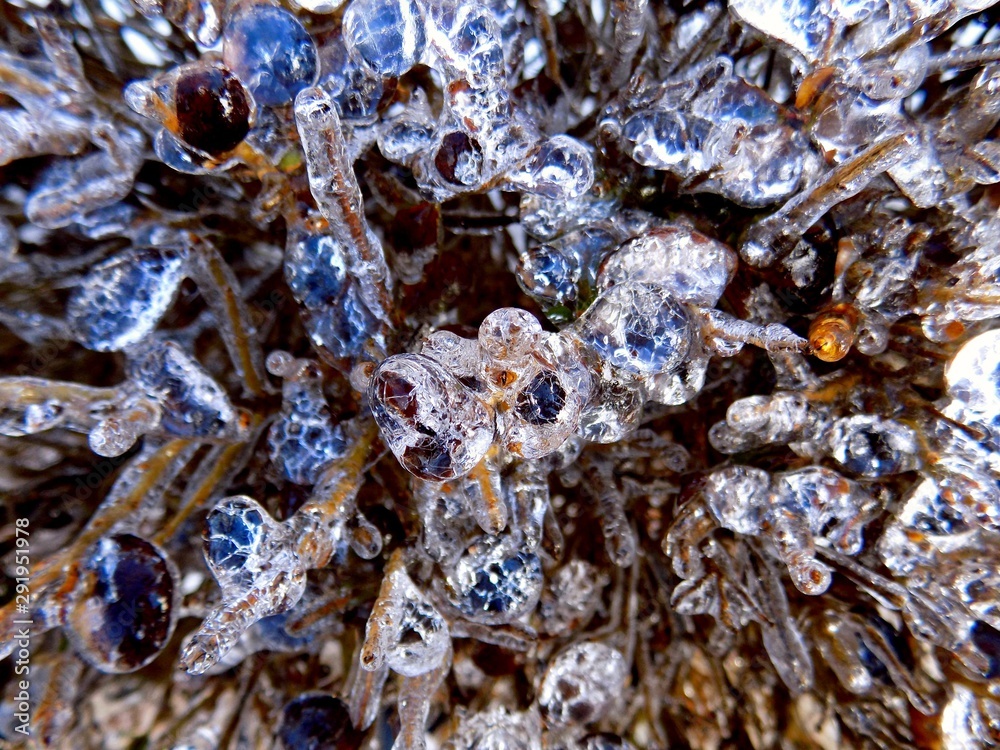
point(500, 374)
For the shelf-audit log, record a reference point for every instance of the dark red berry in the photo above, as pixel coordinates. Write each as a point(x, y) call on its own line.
point(213, 110)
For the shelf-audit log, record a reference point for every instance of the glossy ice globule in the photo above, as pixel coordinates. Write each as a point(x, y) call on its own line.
point(271, 52)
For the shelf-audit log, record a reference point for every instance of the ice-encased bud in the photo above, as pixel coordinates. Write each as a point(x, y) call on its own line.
point(973, 377)
point(870, 446)
point(562, 168)
point(689, 265)
point(615, 405)
point(191, 403)
point(236, 542)
point(494, 582)
point(122, 611)
point(546, 401)
point(335, 311)
point(638, 328)
point(202, 103)
point(582, 684)
point(271, 52)
point(405, 632)
point(389, 35)
point(435, 426)
point(121, 300)
point(317, 721)
point(497, 729)
point(304, 439)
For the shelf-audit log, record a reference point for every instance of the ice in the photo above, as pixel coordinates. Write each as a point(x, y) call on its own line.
point(494, 582)
point(312, 719)
point(973, 378)
point(731, 139)
point(304, 439)
point(388, 34)
point(562, 275)
point(692, 267)
point(436, 427)
point(637, 327)
point(571, 597)
point(317, 269)
point(124, 607)
point(336, 191)
point(497, 729)
point(405, 632)
point(563, 167)
point(582, 684)
point(191, 402)
point(869, 446)
point(271, 52)
point(769, 239)
point(356, 88)
point(121, 301)
point(541, 377)
point(615, 406)
point(69, 189)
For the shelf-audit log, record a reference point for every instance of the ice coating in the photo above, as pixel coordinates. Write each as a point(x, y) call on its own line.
point(787, 545)
point(304, 439)
point(389, 35)
point(436, 427)
point(271, 52)
point(107, 312)
point(582, 683)
point(637, 327)
point(123, 611)
point(494, 582)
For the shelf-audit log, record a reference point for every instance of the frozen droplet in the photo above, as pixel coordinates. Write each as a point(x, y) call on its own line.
point(235, 534)
point(692, 267)
point(121, 301)
point(388, 34)
point(304, 439)
point(973, 376)
point(497, 729)
point(191, 403)
point(582, 684)
point(638, 328)
point(436, 427)
point(271, 52)
point(494, 582)
point(563, 167)
point(122, 611)
point(114, 435)
point(661, 139)
point(869, 446)
point(405, 632)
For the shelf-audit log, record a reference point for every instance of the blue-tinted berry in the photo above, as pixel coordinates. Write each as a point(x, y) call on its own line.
point(271, 52)
point(388, 34)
